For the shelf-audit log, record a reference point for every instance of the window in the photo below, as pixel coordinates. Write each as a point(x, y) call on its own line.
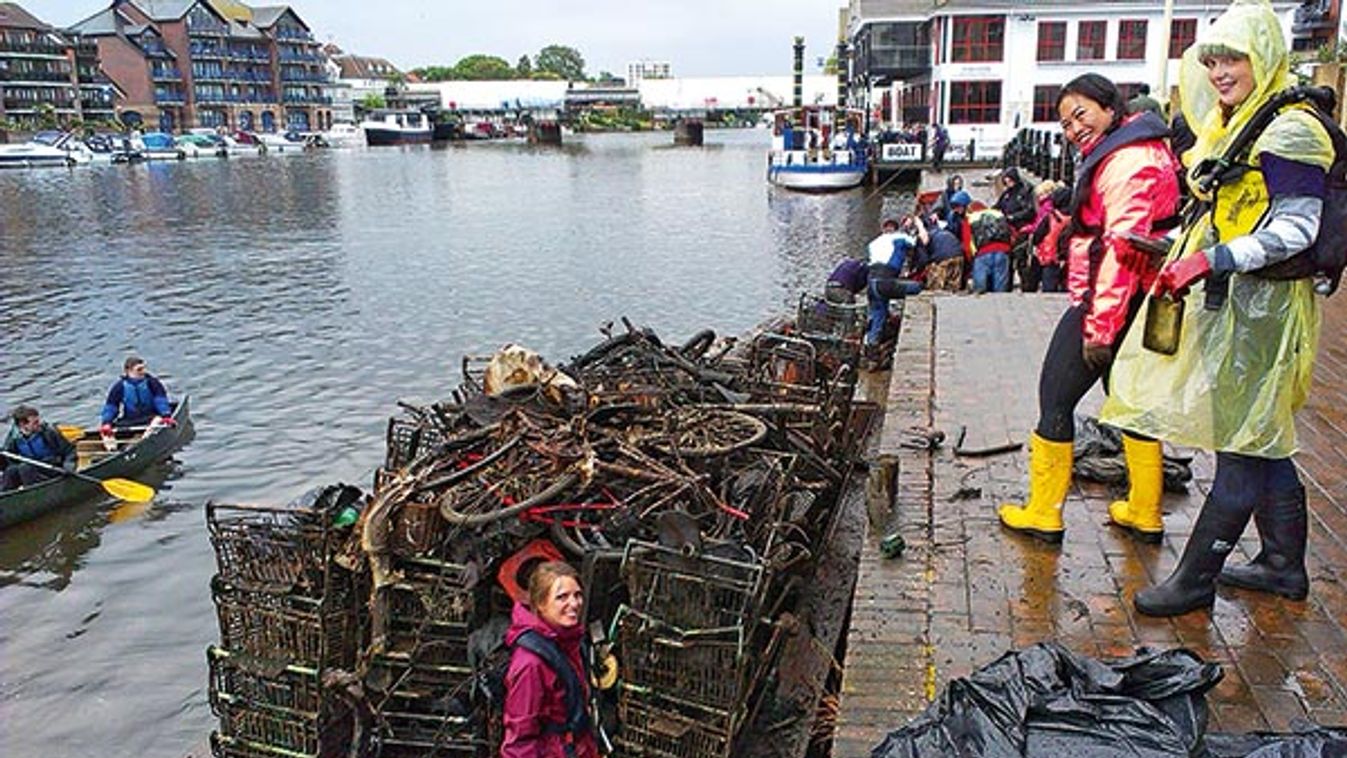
point(1052, 41)
point(1182, 34)
point(1045, 102)
point(974, 102)
point(1090, 47)
point(978, 38)
point(1132, 39)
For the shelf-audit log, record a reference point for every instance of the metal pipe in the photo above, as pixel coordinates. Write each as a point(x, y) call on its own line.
point(799, 72)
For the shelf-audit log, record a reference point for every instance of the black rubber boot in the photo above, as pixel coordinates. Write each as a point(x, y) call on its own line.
point(1279, 567)
point(1193, 583)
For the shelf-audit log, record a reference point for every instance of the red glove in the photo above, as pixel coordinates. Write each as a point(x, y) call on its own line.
point(1177, 276)
point(167, 421)
point(105, 430)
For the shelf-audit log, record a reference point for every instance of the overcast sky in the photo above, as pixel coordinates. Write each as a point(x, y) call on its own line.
point(699, 37)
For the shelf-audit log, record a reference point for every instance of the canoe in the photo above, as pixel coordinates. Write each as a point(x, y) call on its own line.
point(131, 457)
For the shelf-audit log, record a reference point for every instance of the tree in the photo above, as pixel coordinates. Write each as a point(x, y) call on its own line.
point(370, 102)
point(608, 77)
point(480, 66)
point(524, 68)
point(563, 61)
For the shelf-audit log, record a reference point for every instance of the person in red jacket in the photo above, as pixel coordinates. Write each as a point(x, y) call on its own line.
point(535, 694)
point(1126, 183)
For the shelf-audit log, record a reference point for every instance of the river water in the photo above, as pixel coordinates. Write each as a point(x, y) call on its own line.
point(297, 298)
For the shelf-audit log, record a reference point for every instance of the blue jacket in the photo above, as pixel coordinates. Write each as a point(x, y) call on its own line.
point(134, 400)
point(851, 274)
point(46, 445)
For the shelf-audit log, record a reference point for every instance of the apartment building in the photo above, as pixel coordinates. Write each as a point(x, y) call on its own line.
point(46, 73)
point(987, 68)
point(180, 64)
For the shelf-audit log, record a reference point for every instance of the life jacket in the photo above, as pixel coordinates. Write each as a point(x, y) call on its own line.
point(490, 681)
point(38, 447)
point(137, 400)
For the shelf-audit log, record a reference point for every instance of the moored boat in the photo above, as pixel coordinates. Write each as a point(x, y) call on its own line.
point(387, 127)
point(45, 149)
point(816, 148)
point(128, 458)
point(159, 146)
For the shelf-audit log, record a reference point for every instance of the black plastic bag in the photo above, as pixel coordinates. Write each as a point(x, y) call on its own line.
point(1098, 457)
point(1046, 700)
point(1308, 741)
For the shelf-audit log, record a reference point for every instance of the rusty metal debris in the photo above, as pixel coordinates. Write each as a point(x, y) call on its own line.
point(694, 485)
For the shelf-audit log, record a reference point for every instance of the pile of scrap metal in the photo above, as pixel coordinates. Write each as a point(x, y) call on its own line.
point(693, 485)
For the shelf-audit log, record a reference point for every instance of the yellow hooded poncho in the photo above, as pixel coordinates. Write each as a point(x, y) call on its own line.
point(1240, 373)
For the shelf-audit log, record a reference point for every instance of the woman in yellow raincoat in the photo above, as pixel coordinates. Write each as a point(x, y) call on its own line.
point(1243, 366)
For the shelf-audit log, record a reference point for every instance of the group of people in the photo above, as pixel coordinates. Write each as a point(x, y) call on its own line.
point(1246, 346)
point(34, 450)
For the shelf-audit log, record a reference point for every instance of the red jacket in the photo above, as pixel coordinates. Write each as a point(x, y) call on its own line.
point(1133, 187)
point(1046, 250)
point(535, 696)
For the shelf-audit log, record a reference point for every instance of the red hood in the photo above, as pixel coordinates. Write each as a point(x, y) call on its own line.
point(522, 618)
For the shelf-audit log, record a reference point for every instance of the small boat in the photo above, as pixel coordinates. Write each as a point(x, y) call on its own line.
point(131, 456)
point(49, 148)
point(201, 146)
point(816, 148)
point(159, 146)
point(287, 142)
point(344, 134)
point(112, 148)
point(385, 127)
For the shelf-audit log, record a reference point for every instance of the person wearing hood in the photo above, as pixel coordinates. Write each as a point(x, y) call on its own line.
point(1246, 348)
point(943, 206)
point(1126, 184)
point(1016, 203)
point(535, 695)
point(135, 399)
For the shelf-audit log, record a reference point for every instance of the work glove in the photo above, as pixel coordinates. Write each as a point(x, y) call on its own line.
point(167, 421)
point(105, 430)
point(1097, 357)
point(1177, 276)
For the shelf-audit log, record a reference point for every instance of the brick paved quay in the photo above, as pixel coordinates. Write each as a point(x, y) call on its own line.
point(965, 591)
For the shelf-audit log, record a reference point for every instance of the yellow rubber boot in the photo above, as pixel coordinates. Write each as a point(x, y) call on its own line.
point(1049, 479)
point(1139, 514)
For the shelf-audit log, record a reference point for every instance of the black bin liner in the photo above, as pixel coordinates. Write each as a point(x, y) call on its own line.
point(1048, 701)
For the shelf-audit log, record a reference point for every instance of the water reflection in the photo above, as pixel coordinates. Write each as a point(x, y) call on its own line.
point(296, 298)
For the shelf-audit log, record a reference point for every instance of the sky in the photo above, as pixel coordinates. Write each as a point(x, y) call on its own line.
point(699, 37)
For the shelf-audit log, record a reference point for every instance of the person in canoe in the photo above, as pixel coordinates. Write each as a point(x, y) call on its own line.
point(35, 439)
point(136, 399)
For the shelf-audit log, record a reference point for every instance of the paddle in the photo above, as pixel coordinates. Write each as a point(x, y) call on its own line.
point(72, 432)
point(122, 489)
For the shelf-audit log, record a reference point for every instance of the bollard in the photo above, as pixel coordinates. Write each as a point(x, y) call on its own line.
point(881, 491)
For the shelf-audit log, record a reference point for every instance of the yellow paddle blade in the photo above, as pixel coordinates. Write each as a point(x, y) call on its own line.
point(71, 433)
point(125, 489)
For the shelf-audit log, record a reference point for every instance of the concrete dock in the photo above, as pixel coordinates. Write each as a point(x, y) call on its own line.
point(966, 591)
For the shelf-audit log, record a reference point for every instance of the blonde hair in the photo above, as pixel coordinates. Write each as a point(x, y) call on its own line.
point(544, 576)
point(1045, 188)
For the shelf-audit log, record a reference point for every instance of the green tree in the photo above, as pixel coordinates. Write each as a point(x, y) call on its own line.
point(563, 61)
point(607, 77)
point(370, 102)
point(480, 66)
point(434, 73)
point(524, 68)
point(46, 116)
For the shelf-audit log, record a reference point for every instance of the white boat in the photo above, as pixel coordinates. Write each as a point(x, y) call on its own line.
point(817, 148)
point(344, 134)
point(383, 127)
point(46, 149)
point(287, 142)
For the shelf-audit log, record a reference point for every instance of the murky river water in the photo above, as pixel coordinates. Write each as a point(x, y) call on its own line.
point(297, 298)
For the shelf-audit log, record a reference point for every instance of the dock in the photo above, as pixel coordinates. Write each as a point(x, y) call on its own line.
point(965, 591)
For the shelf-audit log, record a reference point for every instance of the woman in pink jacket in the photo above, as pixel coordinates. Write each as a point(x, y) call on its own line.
point(536, 708)
point(1126, 184)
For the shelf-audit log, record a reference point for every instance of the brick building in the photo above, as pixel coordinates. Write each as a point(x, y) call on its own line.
point(180, 64)
point(46, 73)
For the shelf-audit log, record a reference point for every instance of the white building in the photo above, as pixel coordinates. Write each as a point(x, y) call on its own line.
point(639, 71)
point(987, 68)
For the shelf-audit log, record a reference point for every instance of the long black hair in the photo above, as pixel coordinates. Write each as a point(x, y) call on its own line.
point(1100, 89)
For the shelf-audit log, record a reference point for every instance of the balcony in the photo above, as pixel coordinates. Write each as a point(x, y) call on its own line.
point(170, 98)
point(1313, 16)
point(304, 76)
point(289, 99)
point(291, 34)
point(155, 50)
point(210, 75)
point(166, 75)
point(35, 77)
point(200, 50)
point(32, 48)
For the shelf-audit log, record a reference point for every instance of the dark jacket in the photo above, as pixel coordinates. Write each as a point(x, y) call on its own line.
point(851, 274)
point(136, 400)
point(46, 445)
point(942, 207)
point(535, 696)
point(1017, 201)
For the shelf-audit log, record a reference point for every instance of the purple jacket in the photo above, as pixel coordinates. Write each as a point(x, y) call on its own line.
point(851, 274)
point(535, 696)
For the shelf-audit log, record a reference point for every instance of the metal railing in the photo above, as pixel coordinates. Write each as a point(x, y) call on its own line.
point(1041, 152)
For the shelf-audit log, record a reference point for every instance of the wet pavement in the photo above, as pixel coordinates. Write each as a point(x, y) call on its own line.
point(965, 591)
